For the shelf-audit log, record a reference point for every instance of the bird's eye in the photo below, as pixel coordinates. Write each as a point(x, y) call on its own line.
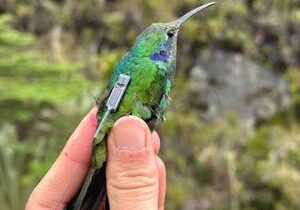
point(162, 53)
point(171, 33)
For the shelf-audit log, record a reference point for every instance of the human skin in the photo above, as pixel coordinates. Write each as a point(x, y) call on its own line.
point(136, 176)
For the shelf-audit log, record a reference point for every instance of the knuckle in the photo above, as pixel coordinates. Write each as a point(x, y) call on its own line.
point(132, 175)
point(133, 187)
point(134, 178)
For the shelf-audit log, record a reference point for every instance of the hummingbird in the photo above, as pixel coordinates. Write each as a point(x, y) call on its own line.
point(140, 85)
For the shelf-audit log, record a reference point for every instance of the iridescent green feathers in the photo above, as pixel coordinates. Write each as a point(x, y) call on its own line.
point(150, 64)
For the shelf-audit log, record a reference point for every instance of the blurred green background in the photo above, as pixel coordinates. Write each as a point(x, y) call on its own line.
point(57, 55)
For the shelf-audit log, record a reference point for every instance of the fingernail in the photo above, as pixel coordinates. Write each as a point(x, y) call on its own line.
point(93, 116)
point(130, 134)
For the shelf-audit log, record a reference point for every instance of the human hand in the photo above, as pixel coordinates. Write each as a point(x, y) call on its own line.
point(136, 176)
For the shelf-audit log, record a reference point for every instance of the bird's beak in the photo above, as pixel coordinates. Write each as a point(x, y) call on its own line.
point(185, 17)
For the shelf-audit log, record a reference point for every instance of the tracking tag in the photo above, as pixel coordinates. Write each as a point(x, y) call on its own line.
point(117, 93)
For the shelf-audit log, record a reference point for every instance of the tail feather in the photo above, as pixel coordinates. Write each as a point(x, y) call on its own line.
point(93, 192)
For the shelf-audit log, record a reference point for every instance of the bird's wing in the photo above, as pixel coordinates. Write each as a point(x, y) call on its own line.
point(162, 105)
point(120, 69)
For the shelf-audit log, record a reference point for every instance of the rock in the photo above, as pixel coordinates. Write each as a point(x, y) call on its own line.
point(226, 82)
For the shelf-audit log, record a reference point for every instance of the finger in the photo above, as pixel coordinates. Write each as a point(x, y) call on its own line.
point(162, 183)
point(156, 142)
point(66, 175)
point(132, 173)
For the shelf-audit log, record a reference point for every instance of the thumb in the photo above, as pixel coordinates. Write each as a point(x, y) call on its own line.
point(132, 174)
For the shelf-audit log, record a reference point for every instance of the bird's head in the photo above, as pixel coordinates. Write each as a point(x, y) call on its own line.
point(158, 42)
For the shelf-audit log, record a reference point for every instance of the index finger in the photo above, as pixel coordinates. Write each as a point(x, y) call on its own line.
point(67, 174)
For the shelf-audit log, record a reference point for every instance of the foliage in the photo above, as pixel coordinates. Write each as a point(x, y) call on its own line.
point(55, 56)
point(30, 80)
